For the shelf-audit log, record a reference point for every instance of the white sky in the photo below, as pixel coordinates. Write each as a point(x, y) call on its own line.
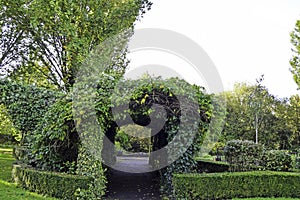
point(244, 38)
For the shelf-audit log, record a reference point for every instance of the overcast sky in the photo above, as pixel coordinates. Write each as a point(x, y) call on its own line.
point(244, 38)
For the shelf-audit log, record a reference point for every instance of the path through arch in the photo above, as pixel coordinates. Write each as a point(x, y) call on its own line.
point(132, 185)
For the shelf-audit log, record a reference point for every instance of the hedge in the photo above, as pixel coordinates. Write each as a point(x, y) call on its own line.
point(238, 184)
point(57, 185)
point(211, 166)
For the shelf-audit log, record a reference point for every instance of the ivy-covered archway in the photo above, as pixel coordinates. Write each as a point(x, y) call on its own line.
point(177, 112)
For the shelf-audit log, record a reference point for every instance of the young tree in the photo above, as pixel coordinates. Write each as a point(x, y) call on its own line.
point(251, 115)
point(295, 61)
point(294, 119)
point(59, 34)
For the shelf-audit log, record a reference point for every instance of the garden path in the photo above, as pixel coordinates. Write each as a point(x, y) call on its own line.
point(126, 182)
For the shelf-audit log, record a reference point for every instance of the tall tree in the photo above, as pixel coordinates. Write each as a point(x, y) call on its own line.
point(295, 61)
point(250, 115)
point(59, 34)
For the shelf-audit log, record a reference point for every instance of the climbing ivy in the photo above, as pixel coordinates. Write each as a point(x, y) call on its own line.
point(188, 111)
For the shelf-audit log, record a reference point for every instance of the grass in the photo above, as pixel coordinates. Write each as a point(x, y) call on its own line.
point(9, 190)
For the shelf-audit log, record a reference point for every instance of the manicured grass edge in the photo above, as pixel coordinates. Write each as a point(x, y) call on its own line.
point(238, 184)
point(51, 184)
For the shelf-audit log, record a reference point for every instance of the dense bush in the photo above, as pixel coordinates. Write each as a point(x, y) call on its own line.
point(48, 183)
point(54, 143)
point(238, 184)
point(26, 104)
point(211, 166)
point(242, 155)
point(276, 160)
point(297, 163)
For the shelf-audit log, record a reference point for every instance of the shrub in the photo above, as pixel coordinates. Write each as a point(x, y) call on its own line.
point(54, 143)
point(237, 184)
point(276, 160)
point(297, 163)
point(242, 155)
point(210, 166)
point(26, 104)
point(57, 185)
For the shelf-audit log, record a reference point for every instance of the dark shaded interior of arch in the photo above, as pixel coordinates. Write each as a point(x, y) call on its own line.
point(169, 104)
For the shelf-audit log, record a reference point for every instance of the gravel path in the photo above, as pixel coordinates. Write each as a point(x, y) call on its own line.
point(132, 184)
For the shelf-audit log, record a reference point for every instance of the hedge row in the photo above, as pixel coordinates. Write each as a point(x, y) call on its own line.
point(57, 185)
point(238, 184)
point(211, 166)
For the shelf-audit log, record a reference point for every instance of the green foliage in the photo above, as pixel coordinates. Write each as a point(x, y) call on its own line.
point(60, 34)
point(297, 163)
point(218, 149)
point(276, 160)
point(8, 190)
point(26, 104)
point(211, 166)
point(54, 143)
point(90, 165)
point(237, 184)
point(252, 108)
point(6, 127)
point(195, 111)
point(62, 186)
point(32, 74)
point(134, 138)
point(243, 155)
point(292, 120)
point(295, 61)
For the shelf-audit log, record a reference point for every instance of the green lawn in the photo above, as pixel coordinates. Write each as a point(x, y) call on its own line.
point(8, 190)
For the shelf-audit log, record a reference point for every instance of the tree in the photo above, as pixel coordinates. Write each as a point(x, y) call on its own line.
point(251, 110)
point(12, 40)
point(256, 104)
point(294, 120)
point(295, 61)
point(59, 34)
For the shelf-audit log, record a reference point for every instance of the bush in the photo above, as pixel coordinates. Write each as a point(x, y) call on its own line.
point(210, 166)
point(297, 163)
point(276, 160)
point(57, 185)
point(242, 155)
point(237, 184)
point(54, 143)
point(25, 104)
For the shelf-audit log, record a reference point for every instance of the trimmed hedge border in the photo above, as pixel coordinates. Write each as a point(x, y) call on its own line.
point(237, 184)
point(52, 184)
point(211, 166)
